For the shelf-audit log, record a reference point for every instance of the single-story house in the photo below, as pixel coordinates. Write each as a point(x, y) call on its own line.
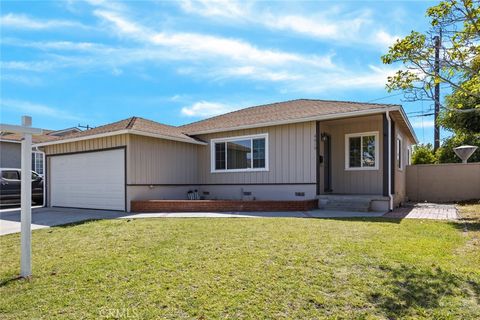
point(10, 148)
point(294, 150)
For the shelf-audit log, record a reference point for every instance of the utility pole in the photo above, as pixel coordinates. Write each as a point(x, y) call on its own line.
point(436, 142)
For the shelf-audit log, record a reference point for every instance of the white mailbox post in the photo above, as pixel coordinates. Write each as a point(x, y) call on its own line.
point(26, 190)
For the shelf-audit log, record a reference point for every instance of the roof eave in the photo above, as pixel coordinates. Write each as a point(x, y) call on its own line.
point(10, 141)
point(407, 121)
point(161, 136)
point(119, 132)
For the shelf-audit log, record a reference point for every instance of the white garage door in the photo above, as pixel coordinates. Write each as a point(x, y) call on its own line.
point(93, 180)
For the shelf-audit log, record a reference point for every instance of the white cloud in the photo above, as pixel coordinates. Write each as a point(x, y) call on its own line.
point(36, 109)
point(256, 73)
point(55, 45)
point(216, 58)
point(385, 39)
point(319, 26)
point(123, 25)
point(373, 77)
point(195, 45)
point(206, 109)
point(216, 8)
point(22, 79)
point(36, 66)
point(327, 24)
point(21, 21)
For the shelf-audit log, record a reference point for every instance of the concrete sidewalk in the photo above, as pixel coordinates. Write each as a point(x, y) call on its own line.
point(48, 217)
point(278, 214)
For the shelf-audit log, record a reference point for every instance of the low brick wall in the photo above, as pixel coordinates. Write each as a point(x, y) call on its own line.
point(221, 205)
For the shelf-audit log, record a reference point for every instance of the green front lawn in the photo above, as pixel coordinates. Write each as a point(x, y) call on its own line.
point(246, 268)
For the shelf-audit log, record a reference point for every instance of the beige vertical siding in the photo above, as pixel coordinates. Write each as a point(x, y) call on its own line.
point(443, 182)
point(158, 161)
point(88, 145)
point(291, 156)
point(400, 173)
point(351, 181)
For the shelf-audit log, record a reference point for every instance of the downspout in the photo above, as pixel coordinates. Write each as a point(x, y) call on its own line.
point(44, 177)
point(389, 122)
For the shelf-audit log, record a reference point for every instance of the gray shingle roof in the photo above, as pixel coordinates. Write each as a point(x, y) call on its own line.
point(277, 112)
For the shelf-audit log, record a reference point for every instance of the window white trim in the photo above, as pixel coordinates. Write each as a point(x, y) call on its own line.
point(229, 139)
point(399, 154)
point(347, 150)
point(409, 155)
point(34, 167)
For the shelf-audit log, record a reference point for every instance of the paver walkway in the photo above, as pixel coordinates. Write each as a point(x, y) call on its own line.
point(425, 211)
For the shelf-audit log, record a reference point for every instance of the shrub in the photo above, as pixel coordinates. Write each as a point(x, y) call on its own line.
point(423, 154)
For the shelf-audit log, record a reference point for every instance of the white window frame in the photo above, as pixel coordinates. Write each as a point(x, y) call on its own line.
point(347, 150)
point(399, 154)
point(43, 162)
point(409, 155)
point(236, 138)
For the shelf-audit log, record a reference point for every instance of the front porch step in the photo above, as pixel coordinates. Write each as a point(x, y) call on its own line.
point(357, 203)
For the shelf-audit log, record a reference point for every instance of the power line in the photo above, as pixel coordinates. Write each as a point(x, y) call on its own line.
point(385, 97)
point(423, 115)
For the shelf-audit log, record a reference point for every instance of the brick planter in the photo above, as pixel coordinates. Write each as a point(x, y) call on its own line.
point(221, 205)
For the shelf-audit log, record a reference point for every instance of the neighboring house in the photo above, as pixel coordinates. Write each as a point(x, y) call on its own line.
point(294, 150)
point(10, 148)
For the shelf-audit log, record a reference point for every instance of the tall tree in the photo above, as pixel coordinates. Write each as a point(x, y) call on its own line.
point(458, 24)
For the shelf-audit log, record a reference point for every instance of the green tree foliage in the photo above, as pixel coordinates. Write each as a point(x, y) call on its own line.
point(445, 154)
point(458, 23)
point(423, 154)
point(458, 117)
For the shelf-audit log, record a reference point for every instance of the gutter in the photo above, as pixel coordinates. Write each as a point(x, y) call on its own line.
point(389, 121)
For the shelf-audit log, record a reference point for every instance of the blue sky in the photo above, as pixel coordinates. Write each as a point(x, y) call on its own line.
point(93, 62)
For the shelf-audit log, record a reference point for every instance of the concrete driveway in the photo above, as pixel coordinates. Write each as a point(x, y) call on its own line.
point(48, 217)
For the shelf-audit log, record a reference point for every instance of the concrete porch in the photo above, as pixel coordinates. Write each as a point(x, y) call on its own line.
point(353, 202)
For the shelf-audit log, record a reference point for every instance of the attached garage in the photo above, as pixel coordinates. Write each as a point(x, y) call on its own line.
point(109, 166)
point(94, 180)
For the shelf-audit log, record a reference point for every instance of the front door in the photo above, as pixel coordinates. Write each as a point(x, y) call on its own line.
point(327, 166)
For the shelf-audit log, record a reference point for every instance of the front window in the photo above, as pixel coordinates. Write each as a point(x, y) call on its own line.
point(247, 153)
point(361, 151)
